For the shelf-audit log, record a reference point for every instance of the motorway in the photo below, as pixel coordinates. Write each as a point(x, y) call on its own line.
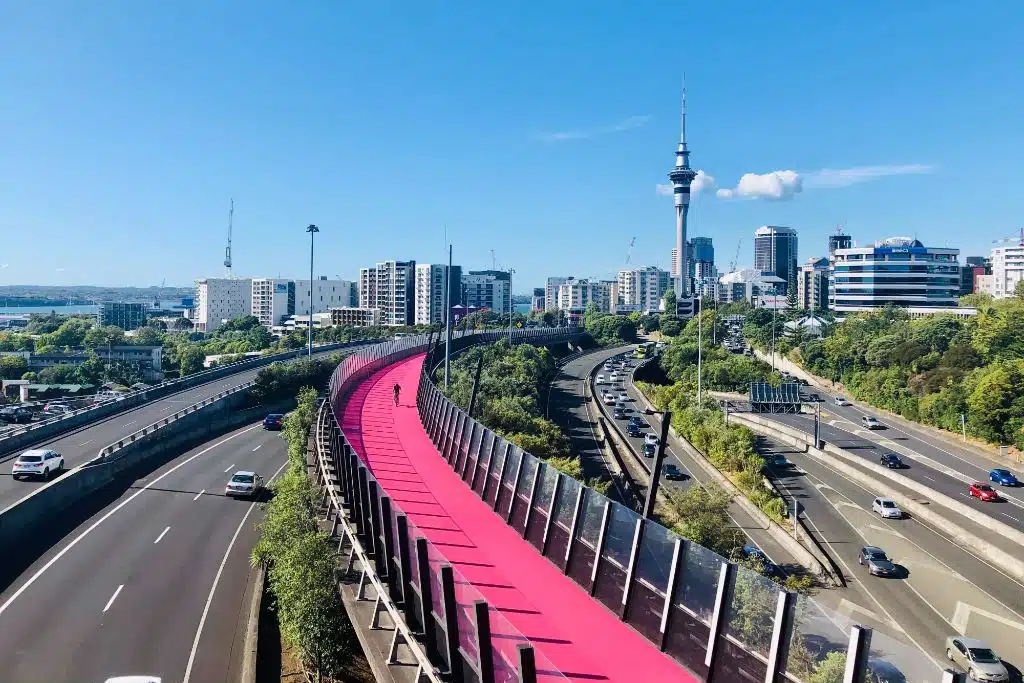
point(944, 590)
point(157, 582)
point(85, 443)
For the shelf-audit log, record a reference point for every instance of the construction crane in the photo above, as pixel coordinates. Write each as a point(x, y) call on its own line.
point(227, 250)
point(736, 258)
point(629, 252)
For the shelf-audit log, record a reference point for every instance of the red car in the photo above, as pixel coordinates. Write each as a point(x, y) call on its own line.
point(983, 491)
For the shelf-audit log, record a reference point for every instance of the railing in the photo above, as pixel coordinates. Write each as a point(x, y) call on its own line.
point(435, 612)
point(136, 398)
point(721, 621)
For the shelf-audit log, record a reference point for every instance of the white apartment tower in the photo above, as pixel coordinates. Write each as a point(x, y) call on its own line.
point(219, 300)
point(1007, 269)
point(390, 286)
point(432, 290)
point(641, 289)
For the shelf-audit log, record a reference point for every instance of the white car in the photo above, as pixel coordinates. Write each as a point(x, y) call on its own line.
point(886, 508)
point(600, 379)
point(869, 422)
point(609, 399)
point(623, 396)
point(650, 438)
point(841, 401)
point(37, 463)
point(244, 483)
point(614, 377)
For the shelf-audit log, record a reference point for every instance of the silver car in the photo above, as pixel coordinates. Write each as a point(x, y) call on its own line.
point(981, 662)
point(244, 483)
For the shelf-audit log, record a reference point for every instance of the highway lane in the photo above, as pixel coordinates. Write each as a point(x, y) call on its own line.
point(126, 592)
point(871, 444)
point(83, 444)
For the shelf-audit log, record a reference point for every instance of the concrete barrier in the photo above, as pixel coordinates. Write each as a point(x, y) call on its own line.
point(190, 425)
point(23, 437)
point(843, 462)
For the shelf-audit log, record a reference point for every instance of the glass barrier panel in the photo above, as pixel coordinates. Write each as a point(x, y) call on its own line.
point(698, 587)
point(735, 663)
point(561, 520)
point(618, 542)
point(459, 461)
point(524, 491)
point(818, 644)
point(474, 452)
point(494, 478)
point(650, 580)
point(588, 530)
point(483, 462)
point(752, 612)
point(465, 596)
point(508, 480)
point(542, 501)
point(895, 659)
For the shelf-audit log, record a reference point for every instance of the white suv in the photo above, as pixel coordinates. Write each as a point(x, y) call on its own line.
point(37, 463)
point(887, 508)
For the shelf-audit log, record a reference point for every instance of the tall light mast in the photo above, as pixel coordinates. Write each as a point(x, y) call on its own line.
point(227, 249)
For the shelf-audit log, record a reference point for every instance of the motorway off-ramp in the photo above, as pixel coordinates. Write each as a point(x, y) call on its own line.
point(127, 591)
point(83, 444)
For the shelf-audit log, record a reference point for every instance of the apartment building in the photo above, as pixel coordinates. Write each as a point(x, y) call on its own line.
point(127, 316)
point(1007, 269)
point(812, 284)
point(576, 295)
point(356, 317)
point(390, 287)
point(551, 291)
point(219, 300)
point(641, 289)
point(487, 289)
point(432, 290)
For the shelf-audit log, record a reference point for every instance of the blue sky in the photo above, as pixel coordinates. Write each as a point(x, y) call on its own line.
point(539, 130)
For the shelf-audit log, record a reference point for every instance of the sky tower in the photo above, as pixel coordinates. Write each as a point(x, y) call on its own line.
point(682, 176)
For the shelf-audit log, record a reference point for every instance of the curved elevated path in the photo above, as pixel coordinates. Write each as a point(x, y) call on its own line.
point(579, 637)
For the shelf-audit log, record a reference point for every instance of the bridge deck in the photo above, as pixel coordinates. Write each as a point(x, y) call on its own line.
point(577, 634)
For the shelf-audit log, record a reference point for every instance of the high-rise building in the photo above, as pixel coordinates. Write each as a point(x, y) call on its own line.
point(326, 294)
point(812, 284)
point(537, 300)
point(432, 290)
point(702, 250)
point(551, 291)
point(839, 240)
point(127, 316)
point(390, 286)
point(641, 289)
point(681, 177)
point(1007, 268)
point(487, 289)
point(273, 300)
point(574, 296)
point(899, 271)
point(219, 300)
point(775, 249)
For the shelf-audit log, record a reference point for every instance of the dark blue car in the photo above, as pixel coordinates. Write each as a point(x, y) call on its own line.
point(1003, 477)
point(273, 422)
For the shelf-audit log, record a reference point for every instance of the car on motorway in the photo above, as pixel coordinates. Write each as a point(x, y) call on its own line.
point(618, 413)
point(37, 462)
point(57, 409)
point(672, 473)
point(623, 396)
point(887, 508)
point(881, 671)
point(868, 422)
point(877, 562)
point(841, 401)
point(244, 483)
point(892, 461)
point(638, 421)
point(600, 379)
point(1003, 477)
point(650, 449)
point(757, 556)
point(983, 491)
point(651, 438)
point(776, 460)
point(274, 422)
point(16, 415)
point(608, 398)
point(977, 657)
point(633, 431)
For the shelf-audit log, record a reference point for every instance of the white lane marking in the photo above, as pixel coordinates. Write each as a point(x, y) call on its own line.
point(42, 570)
point(257, 448)
point(216, 580)
point(930, 478)
point(199, 494)
point(129, 424)
point(86, 443)
point(162, 534)
point(1010, 516)
point(112, 598)
point(229, 468)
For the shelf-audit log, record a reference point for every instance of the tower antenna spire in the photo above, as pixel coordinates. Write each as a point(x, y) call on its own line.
point(227, 249)
point(682, 114)
point(682, 177)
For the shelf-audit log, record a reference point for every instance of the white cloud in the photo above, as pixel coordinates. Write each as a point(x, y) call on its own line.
point(585, 133)
point(702, 183)
point(60, 270)
point(4, 265)
point(777, 185)
point(844, 177)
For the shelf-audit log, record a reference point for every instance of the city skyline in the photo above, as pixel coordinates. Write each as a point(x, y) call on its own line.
point(104, 162)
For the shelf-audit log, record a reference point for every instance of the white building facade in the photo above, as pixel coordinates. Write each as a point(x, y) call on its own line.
point(432, 290)
point(1007, 270)
point(551, 291)
point(219, 300)
point(574, 296)
point(487, 289)
point(274, 300)
point(390, 287)
point(641, 289)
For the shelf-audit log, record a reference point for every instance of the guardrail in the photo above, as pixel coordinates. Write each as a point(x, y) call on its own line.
point(720, 620)
point(21, 436)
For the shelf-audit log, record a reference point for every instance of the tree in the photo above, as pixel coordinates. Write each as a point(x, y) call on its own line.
point(671, 325)
point(702, 516)
point(105, 336)
point(147, 336)
point(241, 324)
point(190, 360)
point(59, 374)
point(12, 367)
point(669, 302)
point(183, 324)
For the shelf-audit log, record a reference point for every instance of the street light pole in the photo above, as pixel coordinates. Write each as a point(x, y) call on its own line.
point(510, 271)
point(312, 230)
point(700, 355)
point(448, 318)
point(775, 308)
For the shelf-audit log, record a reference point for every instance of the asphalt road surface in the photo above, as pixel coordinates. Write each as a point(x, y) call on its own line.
point(85, 443)
point(155, 583)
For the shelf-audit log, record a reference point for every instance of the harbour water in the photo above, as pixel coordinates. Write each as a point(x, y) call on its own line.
point(82, 309)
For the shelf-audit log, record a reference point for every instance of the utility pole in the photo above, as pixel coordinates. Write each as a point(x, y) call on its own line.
point(448, 318)
point(817, 425)
point(227, 250)
point(963, 426)
point(312, 230)
point(510, 271)
point(775, 308)
point(700, 354)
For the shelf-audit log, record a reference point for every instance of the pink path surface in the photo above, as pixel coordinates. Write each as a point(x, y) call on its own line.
point(577, 634)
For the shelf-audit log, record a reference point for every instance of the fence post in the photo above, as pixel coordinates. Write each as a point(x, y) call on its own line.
point(375, 533)
point(405, 566)
point(527, 664)
point(675, 576)
point(634, 555)
point(363, 511)
point(485, 656)
point(726, 586)
point(577, 509)
point(426, 598)
point(857, 654)
point(451, 622)
point(782, 634)
point(389, 542)
point(599, 548)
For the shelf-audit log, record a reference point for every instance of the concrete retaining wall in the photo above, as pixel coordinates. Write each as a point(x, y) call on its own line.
point(22, 438)
point(20, 521)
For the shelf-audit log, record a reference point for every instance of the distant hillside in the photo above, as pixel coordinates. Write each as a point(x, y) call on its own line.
point(43, 295)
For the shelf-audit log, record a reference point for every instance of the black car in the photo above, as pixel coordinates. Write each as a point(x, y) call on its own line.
point(618, 414)
point(892, 461)
point(16, 415)
point(650, 449)
point(633, 430)
point(672, 473)
point(637, 421)
point(273, 422)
